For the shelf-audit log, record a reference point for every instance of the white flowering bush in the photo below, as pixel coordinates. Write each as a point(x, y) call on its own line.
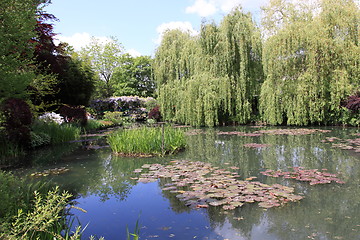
point(52, 117)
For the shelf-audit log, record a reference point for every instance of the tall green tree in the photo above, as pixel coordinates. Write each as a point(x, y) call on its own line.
point(311, 61)
point(134, 77)
point(105, 58)
point(17, 24)
point(212, 78)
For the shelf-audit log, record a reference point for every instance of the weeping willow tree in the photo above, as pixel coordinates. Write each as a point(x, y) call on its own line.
point(211, 78)
point(311, 61)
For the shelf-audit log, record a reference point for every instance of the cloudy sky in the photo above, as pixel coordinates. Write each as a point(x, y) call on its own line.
point(137, 24)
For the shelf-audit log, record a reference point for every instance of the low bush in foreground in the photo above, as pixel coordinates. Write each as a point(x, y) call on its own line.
point(147, 141)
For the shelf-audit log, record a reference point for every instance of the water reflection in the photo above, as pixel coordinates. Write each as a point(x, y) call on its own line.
point(103, 185)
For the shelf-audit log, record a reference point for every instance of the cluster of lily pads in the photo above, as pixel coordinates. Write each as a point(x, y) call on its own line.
point(345, 144)
point(201, 185)
point(296, 131)
point(313, 176)
point(243, 134)
point(53, 171)
point(256, 145)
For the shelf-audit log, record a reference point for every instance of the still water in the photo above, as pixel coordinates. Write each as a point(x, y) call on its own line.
point(104, 186)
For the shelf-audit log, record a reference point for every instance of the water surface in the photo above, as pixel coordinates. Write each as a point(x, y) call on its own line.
point(104, 186)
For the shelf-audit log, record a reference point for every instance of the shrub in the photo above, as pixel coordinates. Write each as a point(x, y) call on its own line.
point(39, 139)
point(116, 117)
point(52, 118)
point(155, 114)
point(74, 114)
point(17, 121)
point(147, 141)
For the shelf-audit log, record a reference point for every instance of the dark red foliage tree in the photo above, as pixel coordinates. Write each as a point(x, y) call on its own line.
point(352, 103)
point(75, 82)
point(18, 119)
point(74, 114)
point(155, 113)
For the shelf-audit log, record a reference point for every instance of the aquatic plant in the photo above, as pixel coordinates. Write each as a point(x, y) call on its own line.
point(294, 131)
point(239, 134)
point(52, 171)
point(256, 145)
point(345, 144)
point(147, 141)
point(201, 185)
point(313, 176)
point(136, 234)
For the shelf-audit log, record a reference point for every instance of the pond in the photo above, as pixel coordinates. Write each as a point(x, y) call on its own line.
point(106, 186)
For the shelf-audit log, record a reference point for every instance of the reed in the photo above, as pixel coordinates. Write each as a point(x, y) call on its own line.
point(58, 133)
point(8, 150)
point(147, 141)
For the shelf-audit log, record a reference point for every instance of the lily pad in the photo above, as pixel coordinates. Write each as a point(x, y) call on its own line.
point(215, 187)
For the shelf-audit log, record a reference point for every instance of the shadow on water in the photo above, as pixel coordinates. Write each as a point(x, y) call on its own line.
point(104, 186)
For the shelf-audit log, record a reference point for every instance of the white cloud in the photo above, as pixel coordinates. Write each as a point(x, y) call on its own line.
point(205, 8)
point(183, 26)
point(133, 53)
point(202, 8)
point(228, 5)
point(79, 40)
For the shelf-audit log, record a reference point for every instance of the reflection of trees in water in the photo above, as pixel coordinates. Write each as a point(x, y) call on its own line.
point(102, 174)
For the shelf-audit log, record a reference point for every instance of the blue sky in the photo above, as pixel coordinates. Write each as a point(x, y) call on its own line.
point(137, 24)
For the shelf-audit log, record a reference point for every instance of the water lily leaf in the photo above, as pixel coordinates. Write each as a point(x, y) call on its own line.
point(146, 166)
point(237, 204)
point(169, 188)
point(228, 207)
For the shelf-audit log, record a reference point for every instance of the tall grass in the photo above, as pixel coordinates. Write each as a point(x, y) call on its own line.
point(58, 133)
point(147, 141)
point(8, 150)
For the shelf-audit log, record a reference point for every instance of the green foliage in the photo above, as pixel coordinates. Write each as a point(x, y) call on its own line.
point(147, 141)
point(134, 77)
point(17, 26)
point(104, 59)
point(44, 221)
point(212, 78)
point(116, 117)
point(136, 234)
point(77, 83)
point(308, 71)
point(58, 133)
point(39, 139)
point(93, 124)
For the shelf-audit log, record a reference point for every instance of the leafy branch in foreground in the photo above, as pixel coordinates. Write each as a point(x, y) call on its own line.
point(45, 221)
